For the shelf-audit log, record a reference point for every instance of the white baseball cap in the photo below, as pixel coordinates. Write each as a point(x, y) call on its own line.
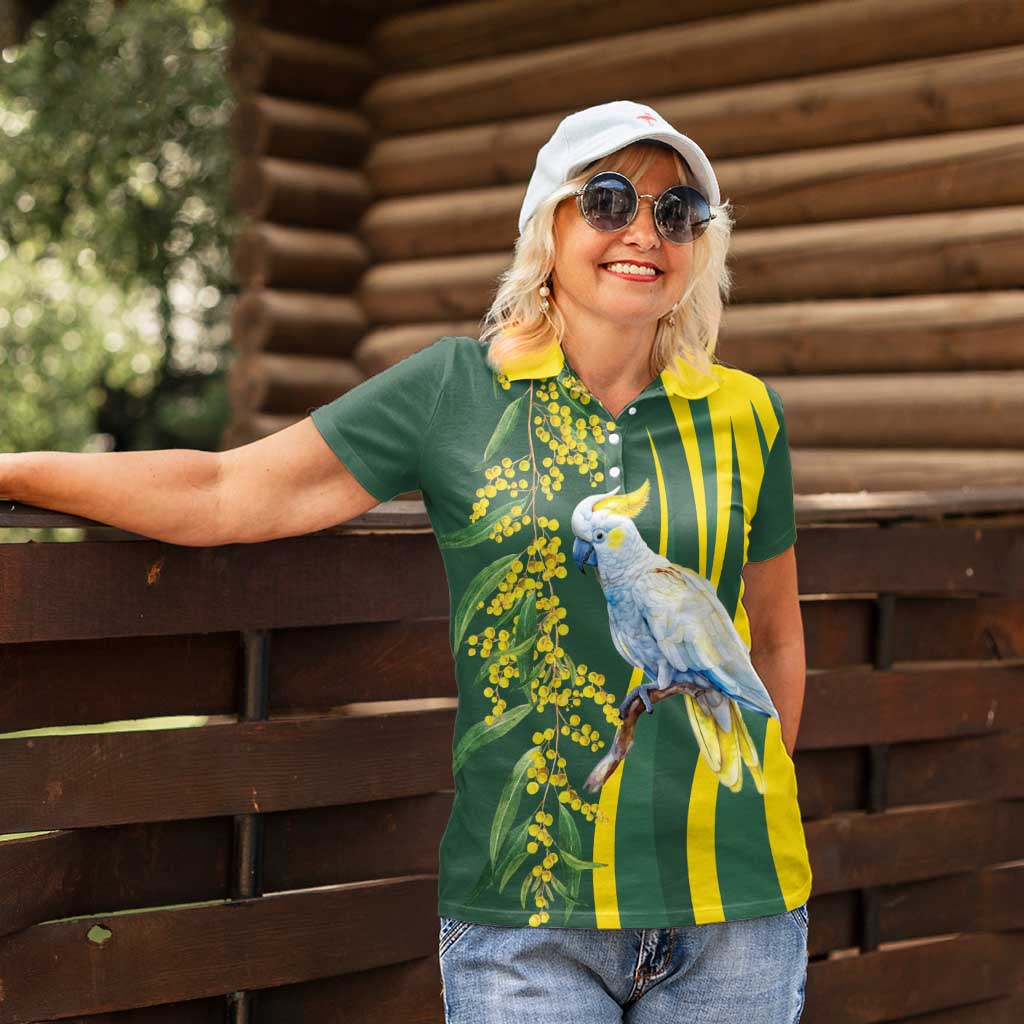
point(595, 132)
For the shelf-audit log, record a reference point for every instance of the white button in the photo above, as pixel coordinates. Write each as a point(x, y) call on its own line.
point(613, 438)
point(632, 410)
point(614, 471)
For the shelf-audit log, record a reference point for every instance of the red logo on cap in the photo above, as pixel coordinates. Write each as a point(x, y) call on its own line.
point(649, 118)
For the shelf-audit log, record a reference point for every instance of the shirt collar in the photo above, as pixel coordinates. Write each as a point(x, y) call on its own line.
point(678, 378)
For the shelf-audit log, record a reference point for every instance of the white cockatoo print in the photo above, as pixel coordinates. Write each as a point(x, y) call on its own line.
point(668, 621)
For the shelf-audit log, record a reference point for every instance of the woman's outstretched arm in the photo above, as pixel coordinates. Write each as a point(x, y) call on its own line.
point(284, 485)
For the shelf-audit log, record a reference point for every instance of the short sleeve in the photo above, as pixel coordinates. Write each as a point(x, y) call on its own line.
point(381, 427)
point(773, 527)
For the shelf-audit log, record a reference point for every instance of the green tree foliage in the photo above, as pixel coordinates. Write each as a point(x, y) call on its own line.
point(115, 228)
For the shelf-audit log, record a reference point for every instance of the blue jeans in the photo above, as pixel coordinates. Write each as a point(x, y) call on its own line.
point(752, 970)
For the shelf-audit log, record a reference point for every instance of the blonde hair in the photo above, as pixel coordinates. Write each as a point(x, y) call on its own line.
point(515, 325)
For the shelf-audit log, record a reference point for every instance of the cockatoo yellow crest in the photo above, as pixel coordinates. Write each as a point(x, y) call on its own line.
point(629, 505)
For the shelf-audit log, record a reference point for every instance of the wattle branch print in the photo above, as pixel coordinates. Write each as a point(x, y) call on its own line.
point(521, 653)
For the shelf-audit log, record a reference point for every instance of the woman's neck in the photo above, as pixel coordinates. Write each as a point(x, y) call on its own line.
point(613, 360)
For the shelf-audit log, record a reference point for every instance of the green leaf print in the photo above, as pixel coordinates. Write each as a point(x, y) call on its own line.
point(483, 882)
point(569, 839)
point(507, 423)
point(571, 903)
point(478, 531)
point(526, 633)
point(483, 583)
point(480, 734)
point(575, 862)
point(515, 856)
point(508, 804)
point(524, 892)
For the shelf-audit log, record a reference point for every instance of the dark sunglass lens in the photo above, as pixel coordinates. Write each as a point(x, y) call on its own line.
point(608, 203)
point(683, 214)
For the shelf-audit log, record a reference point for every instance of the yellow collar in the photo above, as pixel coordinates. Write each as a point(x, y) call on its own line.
point(679, 378)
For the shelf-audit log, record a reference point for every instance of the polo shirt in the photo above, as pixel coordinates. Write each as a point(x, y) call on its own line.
point(700, 469)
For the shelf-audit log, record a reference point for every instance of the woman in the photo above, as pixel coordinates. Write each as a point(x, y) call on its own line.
point(625, 841)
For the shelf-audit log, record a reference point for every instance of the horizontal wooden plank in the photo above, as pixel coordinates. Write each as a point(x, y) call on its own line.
point(406, 993)
point(323, 666)
point(298, 193)
point(811, 509)
point(195, 1011)
point(852, 707)
point(876, 334)
point(113, 778)
point(836, 107)
point(150, 588)
point(985, 767)
point(301, 324)
point(278, 384)
point(161, 956)
point(446, 33)
point(409, 992)
point(293, 65)
point(764, 46)
point(835, 560)
point(78, 682)
point(295, 130)
point(911, 560)
point(1004, 1010)
point(325, 262)
point(956, 769)
point(980, 409)
point(913, 979)
point(903, 469)
point(38, 874)
point(343, 21)
point(986, 900)
point(131, 867)
point(898, 846)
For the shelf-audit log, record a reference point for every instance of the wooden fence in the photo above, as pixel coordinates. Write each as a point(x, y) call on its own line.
point(278, 863)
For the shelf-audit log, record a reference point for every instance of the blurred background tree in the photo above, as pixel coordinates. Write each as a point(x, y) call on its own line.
point(115, 228)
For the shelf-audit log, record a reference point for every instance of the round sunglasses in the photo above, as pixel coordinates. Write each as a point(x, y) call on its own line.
point(609, 201)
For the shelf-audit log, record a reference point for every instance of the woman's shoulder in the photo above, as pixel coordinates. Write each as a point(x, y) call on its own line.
point(742, 383)
point(468, 354)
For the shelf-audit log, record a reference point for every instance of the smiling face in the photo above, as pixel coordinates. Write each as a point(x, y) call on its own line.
point(586, 289)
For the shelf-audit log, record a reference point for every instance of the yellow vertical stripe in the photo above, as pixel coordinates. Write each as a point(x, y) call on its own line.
point(701, 862)
point(719, 404)
point(749, 394)
point(606, 897)
point(662, 500)
point(782, 811)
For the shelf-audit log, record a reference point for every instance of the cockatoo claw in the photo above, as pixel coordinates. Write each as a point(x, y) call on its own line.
point(642, 691)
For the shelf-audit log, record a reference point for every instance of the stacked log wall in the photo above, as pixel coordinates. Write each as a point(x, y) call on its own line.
point(871, 152)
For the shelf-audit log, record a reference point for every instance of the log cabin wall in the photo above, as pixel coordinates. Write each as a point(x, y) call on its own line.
point(872, 152)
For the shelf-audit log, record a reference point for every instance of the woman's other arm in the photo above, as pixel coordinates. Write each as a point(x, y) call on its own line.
point(284, 485)
point(771, 598)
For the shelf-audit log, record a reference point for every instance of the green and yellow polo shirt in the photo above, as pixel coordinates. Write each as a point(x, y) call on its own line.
point(587, 554)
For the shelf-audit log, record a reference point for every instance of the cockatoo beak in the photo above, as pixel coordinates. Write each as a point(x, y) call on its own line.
point(583, 554)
